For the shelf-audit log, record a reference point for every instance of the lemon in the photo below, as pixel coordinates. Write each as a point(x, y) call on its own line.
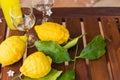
point(52, 32)
point(12, 49)
point(36, 65)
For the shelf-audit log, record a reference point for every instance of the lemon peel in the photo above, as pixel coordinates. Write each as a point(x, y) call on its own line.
point(12, 49)
point(52, 32)
point(36, 65)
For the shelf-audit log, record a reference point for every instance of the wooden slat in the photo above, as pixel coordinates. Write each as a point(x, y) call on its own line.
point(74, 27)
point(2, 35)
point(2, 27)
point(99, 70)
point(57, 20)
point(82, 12)
point(118, 23)
point(113, 44)
point(86, 11)
point(105, 68)
point(2, 30)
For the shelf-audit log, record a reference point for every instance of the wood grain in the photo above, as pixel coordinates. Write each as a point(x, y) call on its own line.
point(2, 32)
point(92, 30)
point(77, 21)
point(113, 40)
point(74, 27)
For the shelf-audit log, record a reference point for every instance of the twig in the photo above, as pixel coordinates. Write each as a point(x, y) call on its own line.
point(75, 56)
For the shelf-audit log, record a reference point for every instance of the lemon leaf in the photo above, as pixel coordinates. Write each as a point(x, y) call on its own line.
point(53, 75)
point(95, 49)
point(73, 42)
point(69, 74)
point(55, 51)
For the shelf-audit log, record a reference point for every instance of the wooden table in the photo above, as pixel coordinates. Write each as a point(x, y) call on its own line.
point(93, 21)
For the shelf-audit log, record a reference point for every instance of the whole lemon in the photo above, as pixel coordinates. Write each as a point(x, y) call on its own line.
point(12, 49)
point(53, 32)
point(36, 65)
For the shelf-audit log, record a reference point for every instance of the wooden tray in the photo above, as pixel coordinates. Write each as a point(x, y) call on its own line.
point(93, 21)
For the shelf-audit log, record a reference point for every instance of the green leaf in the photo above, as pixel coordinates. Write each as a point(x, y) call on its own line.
point(73, 42)
point(95, 49)
point(55, 51)
point(68, 75)
point(53, 75)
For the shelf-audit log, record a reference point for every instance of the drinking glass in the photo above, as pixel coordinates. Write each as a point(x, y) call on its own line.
point(92, 3)
point(24, 22)
point(44, 6)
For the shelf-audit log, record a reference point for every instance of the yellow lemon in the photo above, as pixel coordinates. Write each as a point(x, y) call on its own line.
point(53, 32)
point(12, 49)
point(36, 65)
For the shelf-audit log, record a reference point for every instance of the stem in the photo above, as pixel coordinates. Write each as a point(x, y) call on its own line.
point(75, 57)
point(44, 12)
point(44, 19)
point(18, 76)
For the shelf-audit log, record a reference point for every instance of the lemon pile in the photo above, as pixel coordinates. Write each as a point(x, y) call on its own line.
point(37, 64)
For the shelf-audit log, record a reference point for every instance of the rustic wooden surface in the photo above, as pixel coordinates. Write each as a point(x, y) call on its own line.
point(93, 21)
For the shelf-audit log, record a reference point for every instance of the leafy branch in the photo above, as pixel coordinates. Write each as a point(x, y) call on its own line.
point(94, 50)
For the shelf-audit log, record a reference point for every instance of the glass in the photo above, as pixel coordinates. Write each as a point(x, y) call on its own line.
point(92, 3)
point(5, 6)
point(24, 22)
point(44, 6)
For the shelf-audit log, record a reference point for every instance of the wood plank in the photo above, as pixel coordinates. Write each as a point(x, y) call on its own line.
point(86, 11)
point(2, 27)
point(113, 44)
point(99, 70)
point(81, 11)
point(118, 23)
point(2, 35)
point(3, 30)
point(58, 20)
point(74, 27)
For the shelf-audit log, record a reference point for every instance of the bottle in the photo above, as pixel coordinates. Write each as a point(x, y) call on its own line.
point(6, 6)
